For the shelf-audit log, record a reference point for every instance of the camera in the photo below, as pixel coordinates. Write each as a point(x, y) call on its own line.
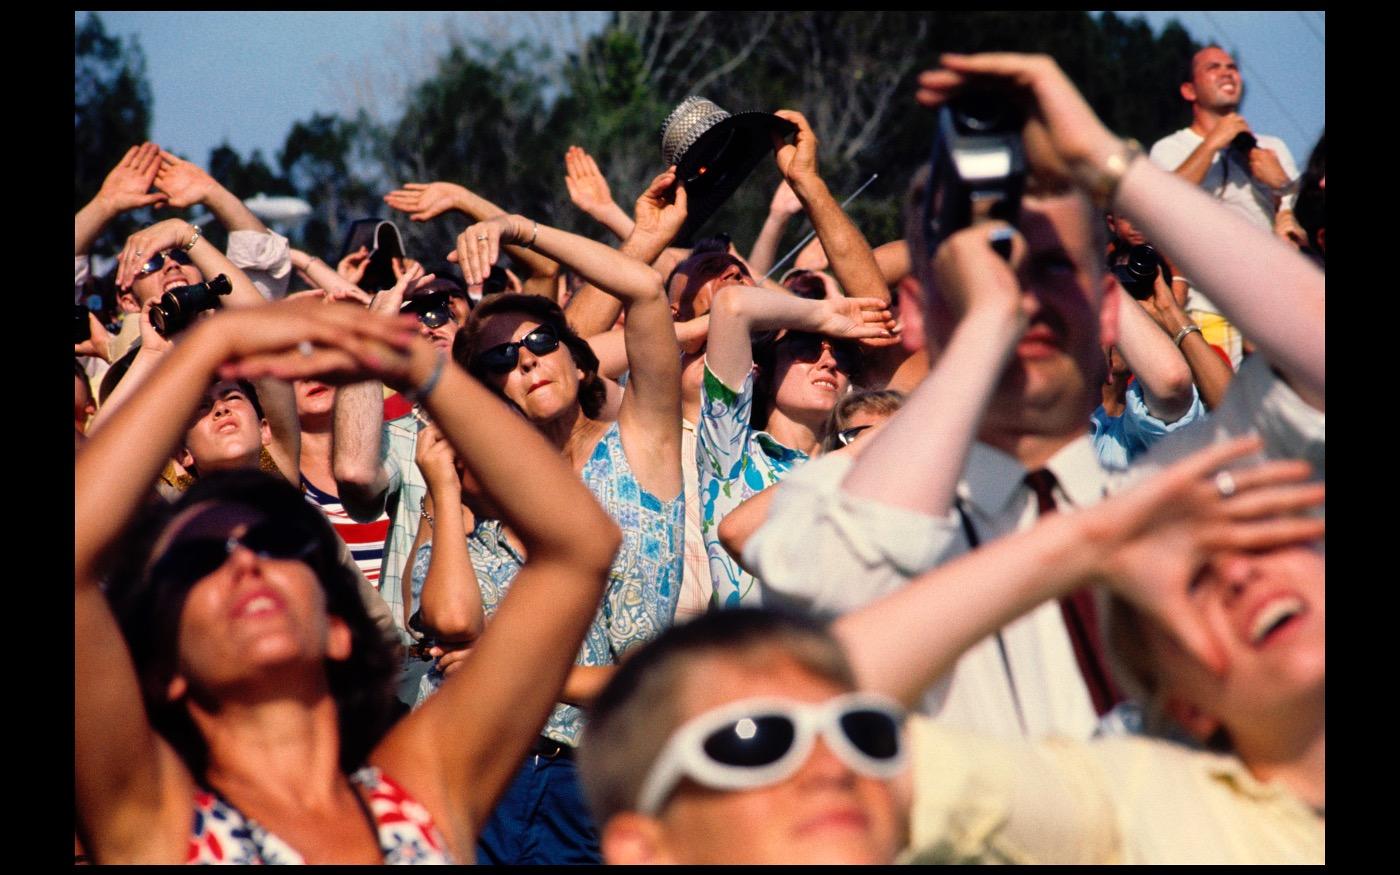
point(978, 167)
point(179, 306)
point(1139, 273)
point(82, 329)
point(1243, 142)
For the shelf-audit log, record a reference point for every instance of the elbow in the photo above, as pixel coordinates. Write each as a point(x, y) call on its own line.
point(597, 547)
point(1176, 385)
point(451, 622)
point(729, 303)
point(732, 536)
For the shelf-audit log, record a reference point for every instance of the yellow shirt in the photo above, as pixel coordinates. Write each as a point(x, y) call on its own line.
point(1123, 799)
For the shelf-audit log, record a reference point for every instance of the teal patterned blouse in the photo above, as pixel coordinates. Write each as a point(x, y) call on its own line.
point(736, 462)
point(644, 583)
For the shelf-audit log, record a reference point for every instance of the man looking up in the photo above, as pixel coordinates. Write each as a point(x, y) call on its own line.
point(1254, 178)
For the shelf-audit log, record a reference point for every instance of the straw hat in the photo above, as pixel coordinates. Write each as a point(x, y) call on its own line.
point(714, 152)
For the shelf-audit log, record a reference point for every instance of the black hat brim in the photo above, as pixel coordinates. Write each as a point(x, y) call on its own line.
point(717, 163)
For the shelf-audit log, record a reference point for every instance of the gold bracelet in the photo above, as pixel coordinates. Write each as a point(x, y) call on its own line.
point(1101, 183)
point(198, 232)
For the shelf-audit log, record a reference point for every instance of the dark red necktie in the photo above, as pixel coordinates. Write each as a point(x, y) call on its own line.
point(1081, 618)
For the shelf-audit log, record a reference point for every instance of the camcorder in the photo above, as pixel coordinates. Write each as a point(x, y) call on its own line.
point(978, 167)
point(1138, 273)
point(179, 306)
point(1243, 143)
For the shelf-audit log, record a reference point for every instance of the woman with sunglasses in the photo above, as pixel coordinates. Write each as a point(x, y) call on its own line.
point(522, 348)
point(229, 686)
point(754, 427)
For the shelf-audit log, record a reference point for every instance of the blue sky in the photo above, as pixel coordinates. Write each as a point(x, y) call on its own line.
point(245, 77)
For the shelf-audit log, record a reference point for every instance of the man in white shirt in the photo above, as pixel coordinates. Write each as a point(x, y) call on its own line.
point(1253, 175)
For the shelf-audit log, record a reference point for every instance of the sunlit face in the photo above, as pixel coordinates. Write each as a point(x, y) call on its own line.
point(1215, 81)
point(151, 286)
point(227, 432)
point(250, 617)
point(1268, 613)
point(825, 813)
point(807, 387)
point(544, 386)
point(693, 296)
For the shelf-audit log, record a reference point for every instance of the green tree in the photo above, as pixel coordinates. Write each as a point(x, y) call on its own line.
point(111, 113)
point(325, 161)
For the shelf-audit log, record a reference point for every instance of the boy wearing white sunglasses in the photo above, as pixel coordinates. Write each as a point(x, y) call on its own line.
point(739, 738)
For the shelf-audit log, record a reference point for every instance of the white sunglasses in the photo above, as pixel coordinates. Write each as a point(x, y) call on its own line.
point(762, 741)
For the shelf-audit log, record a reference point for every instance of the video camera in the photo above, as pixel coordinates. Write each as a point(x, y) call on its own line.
point(179, 306)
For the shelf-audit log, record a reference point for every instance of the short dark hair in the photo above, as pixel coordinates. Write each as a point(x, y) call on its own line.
point(148, 612)
point(1190, 70)
point(635, 714)
point(592, 393)
point(700, 266)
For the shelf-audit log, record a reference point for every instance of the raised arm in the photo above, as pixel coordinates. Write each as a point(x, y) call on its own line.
point(1148, 543)
point(916, 459)
point(173, 233)
point(427, 200)
point(1158, 364)
point(847, 249)
point(588, 189)
point(125, 188)
point(1210, 372)
point(1274, 295)
point(661, 211)
point(781, 209)
point(451, 602)
point(185, 184)
point(738, 311)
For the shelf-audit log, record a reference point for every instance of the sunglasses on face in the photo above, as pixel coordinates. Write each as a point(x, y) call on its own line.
point(157, 261)
point(808, 348)
point(847, 436)
point(192, 559)
point(502, 358)
point(763, 741)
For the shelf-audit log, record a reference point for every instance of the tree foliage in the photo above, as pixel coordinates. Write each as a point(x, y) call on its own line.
point(497, 117)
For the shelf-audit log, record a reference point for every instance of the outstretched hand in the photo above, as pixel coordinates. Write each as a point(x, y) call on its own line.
point(661, 209)
point(479, 246)
point(426, 200)
point(183, 183)
point(412, 277)
point(126, 186)
point(1162, 532)
point(856, 318)
point(588, 187)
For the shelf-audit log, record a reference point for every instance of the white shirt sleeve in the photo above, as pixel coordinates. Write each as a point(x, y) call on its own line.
point(265, 258)
point(826, 551)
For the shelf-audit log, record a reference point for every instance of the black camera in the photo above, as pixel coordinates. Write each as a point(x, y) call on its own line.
point(1242, 144)
point(978, 167)
point(1139, 272)
point(82, 329)
point(179, 306)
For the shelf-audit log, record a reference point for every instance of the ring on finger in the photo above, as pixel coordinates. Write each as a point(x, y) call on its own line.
point(305, 348)
point(1225, 484)
point(481, 236)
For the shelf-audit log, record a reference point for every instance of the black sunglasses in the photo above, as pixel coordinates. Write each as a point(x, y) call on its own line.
point(805, 347)
point(187, 561)
point(848, 435)
point(502, 358)
point(157, 261)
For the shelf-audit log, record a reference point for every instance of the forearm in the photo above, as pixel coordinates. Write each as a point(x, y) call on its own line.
point(905, 642)
point(765, 247)
point(480, 209)
point(893, 260)
point(615, 219)
point(1159, 366)
point(1208, 370)
point(141, 367)
point(355, 449)
point(211, 262)
point(611, 349)
point(279, 403)
point(88, 224)
point(740, 523)
point(846, 248)
point(231, 212)
point(916, 459)
point(321, 275)
point(451, 601)
point(737, 312)
point(1197, 164)
point(114, 470)
point(1274, 295)
point(584, 683)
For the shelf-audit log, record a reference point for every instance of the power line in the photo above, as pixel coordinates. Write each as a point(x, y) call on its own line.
point(1255, 77)
point(1312, 27)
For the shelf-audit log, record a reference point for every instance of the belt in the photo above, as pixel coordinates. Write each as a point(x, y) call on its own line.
point(551, 749)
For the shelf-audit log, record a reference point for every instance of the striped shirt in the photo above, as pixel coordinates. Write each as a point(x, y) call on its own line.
point(365, 540)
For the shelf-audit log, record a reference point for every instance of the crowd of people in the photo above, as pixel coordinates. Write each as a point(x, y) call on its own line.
point(987, 548)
